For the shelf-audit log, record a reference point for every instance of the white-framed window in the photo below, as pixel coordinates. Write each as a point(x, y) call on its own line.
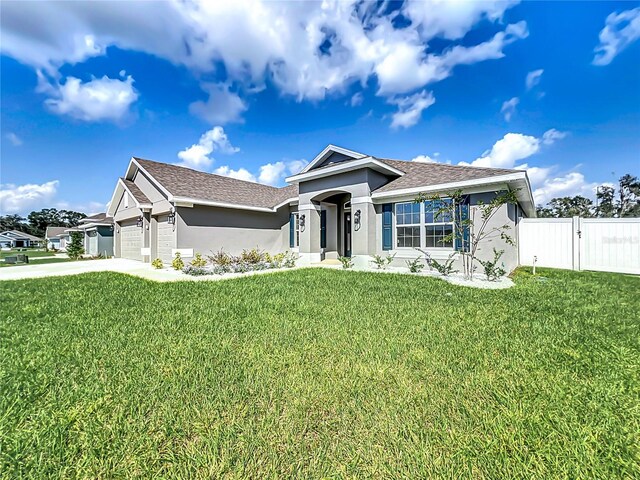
point(437, 227)
point(407, 225)
point(418, 225)
point(296, 229)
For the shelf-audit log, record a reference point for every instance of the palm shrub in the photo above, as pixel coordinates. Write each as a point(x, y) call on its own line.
point(75, 250)
point(347, 262)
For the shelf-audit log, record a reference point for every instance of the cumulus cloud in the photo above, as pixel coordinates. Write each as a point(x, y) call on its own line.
point(410, 108)
point(15, 140)
point(100, 99)
point(21, 199)
point(198, 156)
point(533, 78)
point(509, 108)
point(571, 184)
point(510, 149)
point(425, 158)
point(272, 174)
point(306, 49)
point(620, 31)
point(222, 106)
point(240, 174)
point(552, 135)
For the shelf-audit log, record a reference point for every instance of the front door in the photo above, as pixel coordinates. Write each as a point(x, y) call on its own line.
point(347, 234)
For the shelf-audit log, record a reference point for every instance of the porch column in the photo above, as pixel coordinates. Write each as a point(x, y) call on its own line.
point(309, 234)
point(363, 232)
point(146, 237)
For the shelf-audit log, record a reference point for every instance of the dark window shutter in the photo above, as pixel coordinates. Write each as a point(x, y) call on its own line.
point(323, 229)
point(387, 223)
point(462, 242)
point(292, 230)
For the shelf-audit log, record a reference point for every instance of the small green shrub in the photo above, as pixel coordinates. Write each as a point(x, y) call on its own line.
point(347, 262)
point(415, 265)
point(221, 258)
point(491, 268)
point(381, 262)
point(445, 269)
point(157, 264)
point(278, 259)
point(252, 256)
point(177, 263)
point(198, 261)
point(197, 271)
point(289, 260)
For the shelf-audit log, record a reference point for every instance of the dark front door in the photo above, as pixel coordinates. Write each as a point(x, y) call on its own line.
point(347, 234)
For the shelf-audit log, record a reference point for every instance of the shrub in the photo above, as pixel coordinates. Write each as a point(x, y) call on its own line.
point(347, 262)
point(415, 266)
point(381, 262)
point(75, 250)
point(220, 258)
point(198, 261)
point(290, 259)
point(491, 268)
point(252, 256)
point(445, 269)
point(196, 271)
point(157, 264)
point(278, 260)
point(177, 263)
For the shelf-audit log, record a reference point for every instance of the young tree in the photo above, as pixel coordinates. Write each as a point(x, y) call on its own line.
point(605, 196)
point(471, 223)
point(75, 250)
point(629, 196)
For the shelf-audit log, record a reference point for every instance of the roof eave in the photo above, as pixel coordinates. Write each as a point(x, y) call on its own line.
point(343, 167)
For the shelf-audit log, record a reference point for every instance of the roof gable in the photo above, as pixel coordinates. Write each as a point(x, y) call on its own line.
point(330, 155)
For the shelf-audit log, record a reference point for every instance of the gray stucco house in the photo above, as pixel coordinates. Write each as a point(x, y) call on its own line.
point(97, 233)
point(344, 203)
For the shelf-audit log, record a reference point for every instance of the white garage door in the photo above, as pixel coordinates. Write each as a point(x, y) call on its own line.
point(165, 238)
point(130, 240)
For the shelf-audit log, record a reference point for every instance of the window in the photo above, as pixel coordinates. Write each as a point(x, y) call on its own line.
point(437, 224)
point(407, 225)
point(420, 225)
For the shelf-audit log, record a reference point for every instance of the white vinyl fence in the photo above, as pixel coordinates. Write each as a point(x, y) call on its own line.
point(604, 244)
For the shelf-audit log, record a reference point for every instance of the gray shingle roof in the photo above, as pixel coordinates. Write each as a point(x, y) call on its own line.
point(135, 191)
point(188, 183)
point(54, 231)
point(418, 174)
point(21, 235)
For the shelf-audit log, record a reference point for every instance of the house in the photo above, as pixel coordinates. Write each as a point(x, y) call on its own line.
point(54, 238)
point(344, 203)
point(97, 231)
point(17, 239)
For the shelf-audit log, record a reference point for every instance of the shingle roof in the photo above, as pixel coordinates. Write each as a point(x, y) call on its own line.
point(418, 174)
point(98, 217)
point(188, 183)
point(135, 191)
point(54, 231)
point(19, 234)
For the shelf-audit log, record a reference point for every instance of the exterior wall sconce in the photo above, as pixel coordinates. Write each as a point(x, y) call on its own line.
point(171, 219)
point(302, 221)
point(356, 219)
point(140, 221)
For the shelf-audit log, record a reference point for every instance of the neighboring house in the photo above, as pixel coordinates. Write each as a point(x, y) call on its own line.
point(53, 237)
point(97, 233)
point(344, 203)
point(17, 239)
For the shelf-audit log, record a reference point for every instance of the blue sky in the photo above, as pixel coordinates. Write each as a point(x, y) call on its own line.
point(254, 90)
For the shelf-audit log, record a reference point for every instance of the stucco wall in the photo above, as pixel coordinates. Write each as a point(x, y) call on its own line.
point(207, 229)
point(157, 198)
point(130, 211)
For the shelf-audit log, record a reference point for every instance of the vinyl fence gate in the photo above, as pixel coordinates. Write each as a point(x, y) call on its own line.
point(602, 244)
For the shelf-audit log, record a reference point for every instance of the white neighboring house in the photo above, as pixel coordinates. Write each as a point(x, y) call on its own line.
point(17, 239)
point(56, 238)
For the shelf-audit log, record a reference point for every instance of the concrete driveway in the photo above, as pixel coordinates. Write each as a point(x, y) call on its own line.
point(121, 265)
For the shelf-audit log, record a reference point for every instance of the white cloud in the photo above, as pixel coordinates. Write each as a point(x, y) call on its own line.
point(410, 108)
point(240, 174)
point(296, 166)
point(272, 173)
point(509, 108)
point(15, 140)
point(357, 99)
point(256, 41)
point(197, 156)
point(533, 78)
point(222, 106)
point(99, 99)
point(510, 149)
point(21, 199)
point(620, 31)
point(571, 184)
point(552, 135)
point(425, 159)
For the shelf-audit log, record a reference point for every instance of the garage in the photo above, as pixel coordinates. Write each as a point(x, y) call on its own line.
point(92, 242)
point(165, 238)
point(130, 240)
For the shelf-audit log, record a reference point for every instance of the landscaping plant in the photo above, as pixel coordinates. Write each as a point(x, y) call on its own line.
point(415, 265)
point(347, 262)
point(75, 250)
point(381, 262)
point(157, 264)
point(491, 268)
point(198, 261)
point(220, 258)
point(445, 269)
point(472, 229)
point(177, 263)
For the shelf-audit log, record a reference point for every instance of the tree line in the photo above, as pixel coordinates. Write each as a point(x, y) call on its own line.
point(625, 202)
point(37, 222)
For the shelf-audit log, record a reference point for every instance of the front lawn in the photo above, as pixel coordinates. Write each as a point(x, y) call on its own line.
point(29, 252)
point(38, 261)
point(320, 373)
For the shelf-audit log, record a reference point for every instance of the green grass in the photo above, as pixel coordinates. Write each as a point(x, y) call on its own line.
point(29, 252)
point(37, 261)
point(320, 373)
